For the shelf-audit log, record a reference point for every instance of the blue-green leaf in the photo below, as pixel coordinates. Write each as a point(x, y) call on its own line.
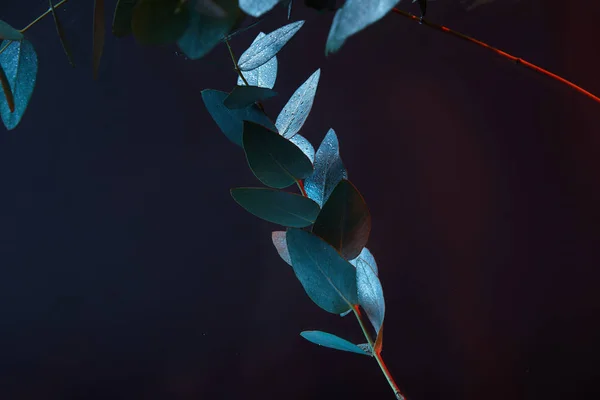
point(263, 76)
point(231, 122)
point(370, 292)
point(20, 64)
point(283, 208)
point(329, 170)
point(328, 279)
point(353, 17)
point(205, 29)
point(294, 114)
point(245, 96)
point(304, 145)
point(8, 32)
point(332, 341)
point(280, 243)
point(274, 160)
point(268, 46)
point(344, 221)
point(256, 8)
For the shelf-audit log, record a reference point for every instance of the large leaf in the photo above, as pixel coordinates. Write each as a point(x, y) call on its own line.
point(245, 96)
point(262, 76)
point(279, 241)
point(294, 114)
point(20, 64)
point(283, 208)
point(121, 25)
point(8, 32)
point(304, 145)
point(205, 31)
point(344, 221)
point(268, 46)
point(256, 8)
point(353, 17)
point(99, 35)
point(274, 160)
point(370, 292)
point(231, 122)
point(329, 170)
point(328, 279)
point(61, 34)
point(332, 341)
point(159, 21)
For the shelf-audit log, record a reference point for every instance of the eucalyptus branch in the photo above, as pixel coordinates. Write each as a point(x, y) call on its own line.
point(377, 354)
point(504, 54)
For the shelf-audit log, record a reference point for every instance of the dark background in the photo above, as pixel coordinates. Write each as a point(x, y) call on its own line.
point(128, 272)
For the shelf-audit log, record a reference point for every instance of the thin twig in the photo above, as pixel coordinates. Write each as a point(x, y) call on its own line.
point(504, 54)
point(38, 19)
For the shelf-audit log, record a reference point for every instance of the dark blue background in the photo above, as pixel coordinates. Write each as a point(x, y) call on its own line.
point(128, 272)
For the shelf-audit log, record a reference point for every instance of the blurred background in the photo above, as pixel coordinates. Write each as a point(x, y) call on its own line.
point(128, 272)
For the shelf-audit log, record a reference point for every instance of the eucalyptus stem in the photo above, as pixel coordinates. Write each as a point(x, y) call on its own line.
point(237, 69)
point(377, 355)
point(38, 19)
point(504, 54)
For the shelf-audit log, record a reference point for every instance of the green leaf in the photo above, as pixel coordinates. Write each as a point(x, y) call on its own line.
point(344, 221)
point(353, 17)
point(263, 76)
point(231, 121)
point(159, 21)
point(329, 170)
point(295, 112)
point(332, 341)
point(280, 243)
point(8, 32)
point(274, 160)
point(268, 46)
point(276, 206)
point(256, 8)
point(61, 34)
point(20, 64)
point(328, 279)
point(370, 292)
point(99, 35)
point(244, 96)
point(122, 17)
point(206, 28)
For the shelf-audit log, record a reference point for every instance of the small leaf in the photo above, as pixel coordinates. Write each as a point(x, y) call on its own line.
point(122, 17)
point(353, 17)
point(231, 122)
point(366, 348)
point(280, 243)
point(345, 313)
point(8, 95)
point(61, 34)
point(204, 31)
point(274, 160)
point(344, 221)
point(366, 257)
point(276, 206)
point(268, 46)
point(328, 279)
point(304, 145)
point(159, 21)
point(244, 96)
point(294, 114)
point(332, 341)
point(329, 170)
point(99, 34)
point(370, 292)
point(263, 76)
point(8, 32)
point(20, 64)
point(256, 8)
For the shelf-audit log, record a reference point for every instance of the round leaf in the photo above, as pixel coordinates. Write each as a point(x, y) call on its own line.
point(159, 21)
point(274, 160)
point(283, 208)
point(344, 221)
